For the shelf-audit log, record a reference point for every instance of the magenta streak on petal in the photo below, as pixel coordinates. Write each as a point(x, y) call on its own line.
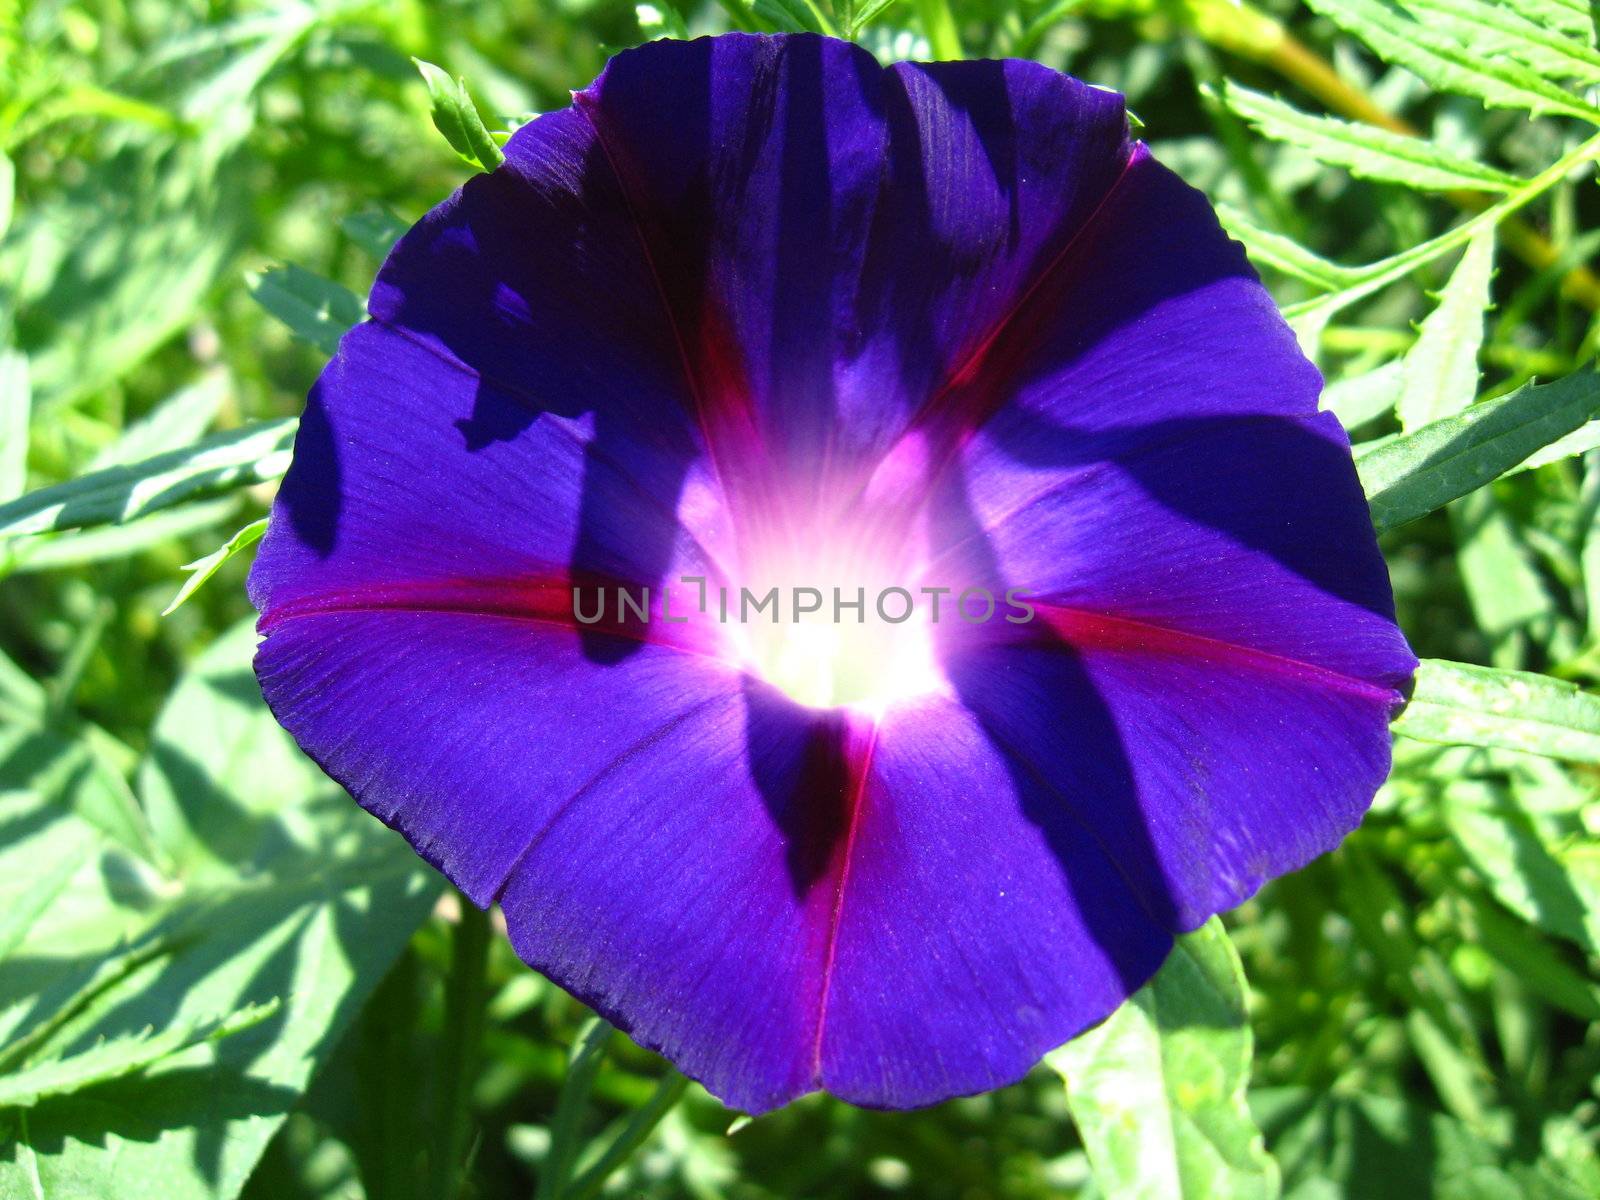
point(859, 743)
point(716, 388)
point(546, 600)
point(974, 390)
point(1101, 631)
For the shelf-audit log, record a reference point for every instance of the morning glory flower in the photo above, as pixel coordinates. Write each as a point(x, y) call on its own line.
point(846, 556)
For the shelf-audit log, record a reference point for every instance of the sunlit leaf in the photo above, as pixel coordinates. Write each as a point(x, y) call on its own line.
point(1511, 710)
point(456, 116)
point(1412, 475)
point(1446, 64)
point(316, 310)
point(1365, 150)
point(1158, 1089)
point(1439, 374)
point(216, 464)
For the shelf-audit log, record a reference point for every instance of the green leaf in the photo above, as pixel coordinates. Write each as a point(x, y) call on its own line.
point(116, 267)
point(1439, 375)
point(113, 1058)
point(1158, 1089)
point(1364, 150)
point(1364, 397)
point(179, 420)
point(280, 887)
point(1444, 63)
point(1340, 1143)
point(220, 463)
point(316, 310)
point(1412, 475)
point(1284, 254)
point(1461, 704)
point(16, 406)
point(375, 230)
point(202, 569)
point(456, 116)
point(1549, 875)
point(1495, 31)
point(75, 547)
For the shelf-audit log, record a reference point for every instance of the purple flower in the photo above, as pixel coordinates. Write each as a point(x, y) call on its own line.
point(756, 313)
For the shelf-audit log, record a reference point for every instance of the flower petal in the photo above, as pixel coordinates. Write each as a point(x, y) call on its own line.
point(391, 500)
point(980, 922)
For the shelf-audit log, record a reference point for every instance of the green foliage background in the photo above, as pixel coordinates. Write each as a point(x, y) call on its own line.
point(218, 978)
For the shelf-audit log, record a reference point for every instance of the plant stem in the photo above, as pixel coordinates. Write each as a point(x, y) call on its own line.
point(1239, 29)
point(588, 1052)
point(634, 1134)
point(944, 39)
point(466, 993)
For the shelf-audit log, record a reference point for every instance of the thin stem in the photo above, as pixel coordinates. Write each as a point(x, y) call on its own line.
point(1240, 29)
point(465, 995)
point(588, 1052)
point(634, 1134)
point(944, 39)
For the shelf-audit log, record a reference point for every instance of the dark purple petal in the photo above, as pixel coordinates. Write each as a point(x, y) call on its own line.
point(980, 921)
point(756, 307)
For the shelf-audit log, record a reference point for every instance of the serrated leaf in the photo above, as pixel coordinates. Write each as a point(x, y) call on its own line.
point(1364, 397)
point(1283, 253)
point(203, 569)
point(112, 1058)
point(1439, 374)
point(1365, 150)
point(1158, 1089)
point(316, 310)
point(1440, 61)
point(1461, 704)
point(456, 116)
point(220, 463)
point(313, 908)
point(1493, 31)
point(1418, 472)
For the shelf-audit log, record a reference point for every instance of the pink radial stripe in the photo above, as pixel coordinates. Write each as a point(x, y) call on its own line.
point(673, 621)
point(1089, 631)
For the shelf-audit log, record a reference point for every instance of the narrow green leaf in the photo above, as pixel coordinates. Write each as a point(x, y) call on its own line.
point(1158, 1089)
point(315, 309)
point(1364, 397)
point(1284, 254)
point(1414, 474)
point(588, 1052)
point(1580, 441)
point(40, 552)
point(375, 230)
point(456, 116)
point(1461, 704)
point(1495, 31)
point(1311, 315)
point(116, 1057)
point(202, 569)
point(219, 463)
point(16, 407)
point(1439, 375)
point(1364, 150)
point(1439, 60)
point(1548, 876)
point(178, 421)
point(640, 1125)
